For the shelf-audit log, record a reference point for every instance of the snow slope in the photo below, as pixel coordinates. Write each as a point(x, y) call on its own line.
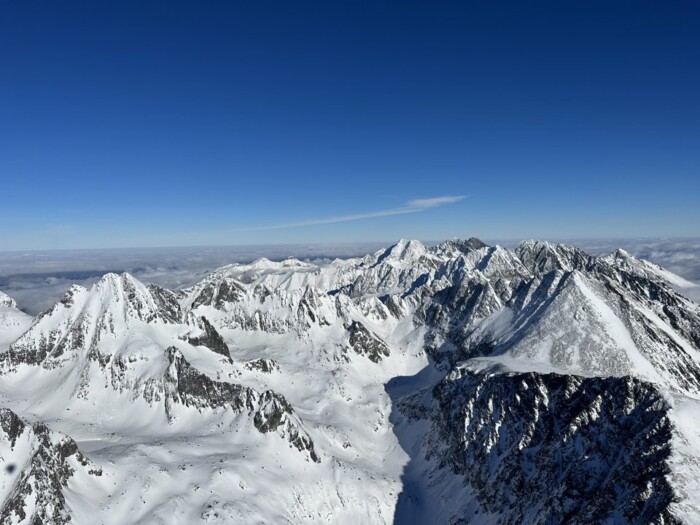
point(13, 322)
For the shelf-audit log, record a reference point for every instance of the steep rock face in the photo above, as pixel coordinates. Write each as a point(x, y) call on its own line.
point(548, 448)
point(456, 246)
point(217, 292)
point(541, 257)
point(209, 337)
point(266, 366)
point(461, 304)
point(653, 288)
point(270, 411)
point(260, 308)
point(274, 414)
point(663, 325)
point(364, 342)
point(38, 465)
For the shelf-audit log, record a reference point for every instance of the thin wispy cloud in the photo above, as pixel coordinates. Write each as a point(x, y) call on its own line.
point(412, 206)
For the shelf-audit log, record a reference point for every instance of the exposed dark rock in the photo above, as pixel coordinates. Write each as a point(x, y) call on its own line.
point(541, 257)
point(271, 412)
point(464, 246)
point(211, 339)
point(217, 293)
point(555, 449)
point(11, 425)
point(364, 342)
point(44, 473)
point(273, 415)
point(266, 366)
point(167, 303)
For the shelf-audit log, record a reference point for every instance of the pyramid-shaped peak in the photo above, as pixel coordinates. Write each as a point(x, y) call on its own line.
point(406, 248)
point(133, 298)
point(114, 279)
point(118, 285)
point(263, 262)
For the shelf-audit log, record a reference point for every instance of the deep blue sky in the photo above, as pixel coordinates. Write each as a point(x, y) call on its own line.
point(181, 123)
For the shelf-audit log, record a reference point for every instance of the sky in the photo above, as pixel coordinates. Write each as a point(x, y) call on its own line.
point(147, 124)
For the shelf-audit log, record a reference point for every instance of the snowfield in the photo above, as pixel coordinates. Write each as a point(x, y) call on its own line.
point(461, 383)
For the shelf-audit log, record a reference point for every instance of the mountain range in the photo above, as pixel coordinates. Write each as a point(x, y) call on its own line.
point(457, 383)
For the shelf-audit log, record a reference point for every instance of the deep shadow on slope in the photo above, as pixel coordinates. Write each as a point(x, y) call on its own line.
point(533, 448)
point(411, 503)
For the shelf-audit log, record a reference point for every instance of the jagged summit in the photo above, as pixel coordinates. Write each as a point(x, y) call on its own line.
point(475, 243)
point(468, 245)
point(455, 246)
point(544, 256)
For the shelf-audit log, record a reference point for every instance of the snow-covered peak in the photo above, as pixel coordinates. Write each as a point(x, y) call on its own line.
point(125, 296)
point(293, 262)
point(575, 331)
point(118, 315)
point(262, 269)
point(404, 250)
point(13, 322)
point(620, 260)
point(499, 263)
point(6, 301)
point(263, 263)
point(623, 260)
point(120, 286)
point(118, 283)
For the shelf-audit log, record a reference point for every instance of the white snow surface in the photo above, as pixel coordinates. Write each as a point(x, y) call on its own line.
point(13, 322)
